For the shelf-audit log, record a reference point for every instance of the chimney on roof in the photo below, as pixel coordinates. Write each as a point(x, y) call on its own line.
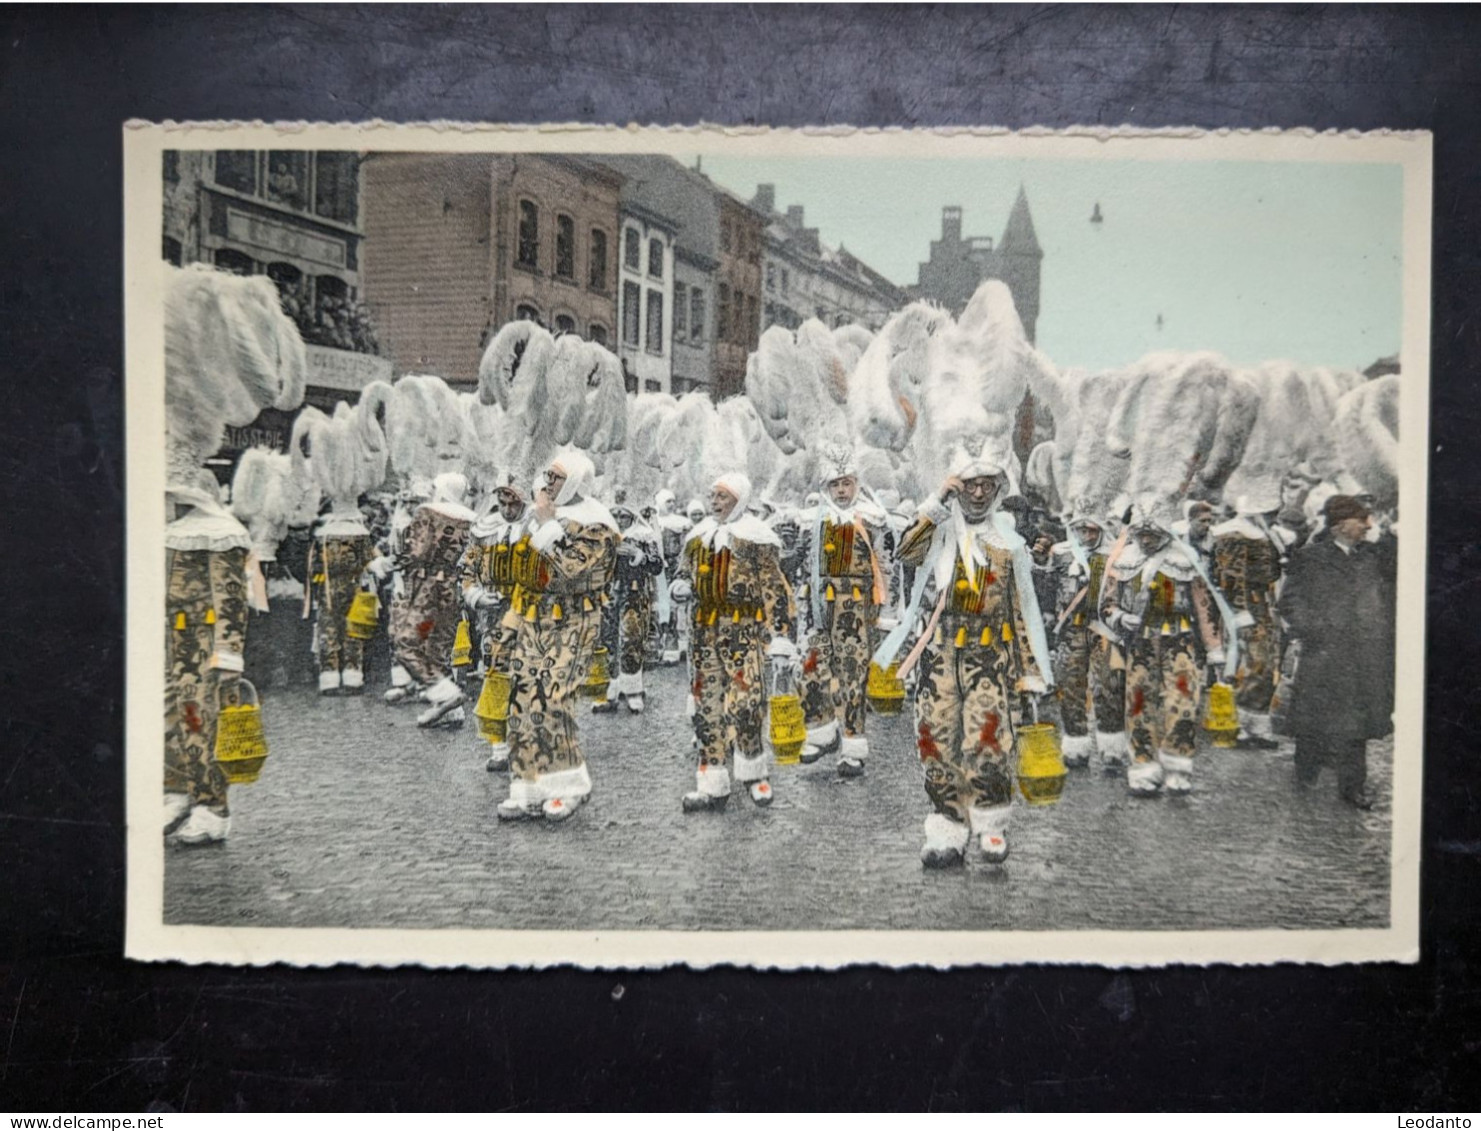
point(794, 216)
point(765, 198)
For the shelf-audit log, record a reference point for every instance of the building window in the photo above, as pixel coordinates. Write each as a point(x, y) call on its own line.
point(632, 250)
point(771, 276)
point(655, 258)
point(722, 314)
point(696, 315)
point(753, 314)
point(653, 386)
point(565, 247)
point(786, 278)
point(598, 276)
point(528, 252)
point(631, 297)
point(725, 241)
point(681, 311)
point(337, 186)
point(237, 169)
point(174, 253)
point(172, 166)
point(598, 333)
point(655, 321)
point(524, 312)
point(288, 178)
point(238, 263)
point(565, 324)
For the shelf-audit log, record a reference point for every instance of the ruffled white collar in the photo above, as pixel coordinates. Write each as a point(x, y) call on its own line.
point(747, 527)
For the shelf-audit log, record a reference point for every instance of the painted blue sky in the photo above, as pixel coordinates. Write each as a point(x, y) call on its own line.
point(1256, 260)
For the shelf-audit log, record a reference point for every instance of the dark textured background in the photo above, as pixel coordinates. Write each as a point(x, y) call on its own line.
point(81, 1029)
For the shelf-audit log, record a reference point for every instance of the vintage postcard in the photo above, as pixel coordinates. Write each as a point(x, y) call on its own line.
point(625, 547)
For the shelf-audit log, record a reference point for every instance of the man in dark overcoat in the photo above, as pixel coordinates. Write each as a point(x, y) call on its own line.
point(1338, 600)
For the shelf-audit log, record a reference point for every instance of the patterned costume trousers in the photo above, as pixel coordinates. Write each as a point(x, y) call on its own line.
point(424, 623)
point(727, 677)
point(835, 671)
point(344, 561)
point(192, 685)
point(548, 662)
point(1164, 686)
point(1083, 668)
point(637, 624)
point(1259, 662)
point(964, 728)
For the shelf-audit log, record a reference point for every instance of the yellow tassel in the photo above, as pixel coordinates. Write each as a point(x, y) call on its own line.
point(828, 593)
point(735, 617)
point(857, 595)
point(586, 604)
point(179, 622)
point(986, 635)
point(555, 612)
point(1007, 634)
point(1166, 629)
point(714, 615)
point(961, 585)
point(1183, 625)
point(759, 617)
point(530, 614)
point(961, 638)
point(210, 616)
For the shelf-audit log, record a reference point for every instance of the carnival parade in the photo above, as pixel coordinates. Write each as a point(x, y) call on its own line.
point(1198, 563)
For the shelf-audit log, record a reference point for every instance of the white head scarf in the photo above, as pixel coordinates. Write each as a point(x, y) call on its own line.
point(739, 523)
point(573, 502)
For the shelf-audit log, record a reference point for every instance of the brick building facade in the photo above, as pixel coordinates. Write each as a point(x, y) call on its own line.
point(737, 293)
point(805, 278)
point(463, 243)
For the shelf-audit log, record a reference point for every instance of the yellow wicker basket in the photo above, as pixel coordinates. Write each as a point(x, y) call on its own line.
point(1222, 721)
point(886, 690)
point(462, 646)
point(492, 711)
point(364, 615)
point(241, 745)
point(1041, 768)
point(599, 678)
point(787, 728)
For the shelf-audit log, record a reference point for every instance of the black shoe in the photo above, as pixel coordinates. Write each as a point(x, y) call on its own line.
point(1358, 798)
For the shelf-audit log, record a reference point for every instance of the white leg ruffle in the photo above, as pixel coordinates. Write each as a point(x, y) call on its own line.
point(352, 677)
point(825, 734)
point(944, 834)
point(400, 677)
point(329, 681)
point(712, 781)
point(855, 747)
point(1114, 746)
point(991, 820)
point(568, 785)
point(1256, 723)
point(1144, 778)
point(749, 770)
point(1078, 748)
point(443, 691)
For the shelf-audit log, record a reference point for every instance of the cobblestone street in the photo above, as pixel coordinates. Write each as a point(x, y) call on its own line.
point(362, 820)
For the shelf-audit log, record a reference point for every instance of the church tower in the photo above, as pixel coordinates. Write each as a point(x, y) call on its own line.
point(1019, 257)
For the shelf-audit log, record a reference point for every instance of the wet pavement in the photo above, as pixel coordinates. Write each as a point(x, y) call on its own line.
point(362, 820)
